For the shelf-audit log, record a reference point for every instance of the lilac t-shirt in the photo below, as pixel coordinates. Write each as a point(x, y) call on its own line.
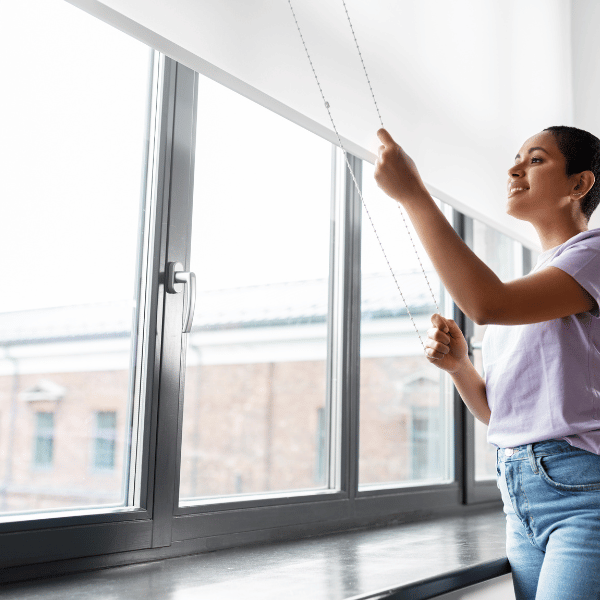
point(543, 379)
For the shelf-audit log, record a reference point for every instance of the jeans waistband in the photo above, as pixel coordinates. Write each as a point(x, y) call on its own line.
point(526, 451)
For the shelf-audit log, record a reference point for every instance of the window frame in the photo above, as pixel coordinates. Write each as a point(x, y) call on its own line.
point(159, 527)
point(28, 539)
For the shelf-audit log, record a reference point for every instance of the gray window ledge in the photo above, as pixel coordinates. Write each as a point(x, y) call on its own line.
point(415, 560)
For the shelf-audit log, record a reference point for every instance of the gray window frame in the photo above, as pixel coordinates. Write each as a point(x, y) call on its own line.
point(159, 528)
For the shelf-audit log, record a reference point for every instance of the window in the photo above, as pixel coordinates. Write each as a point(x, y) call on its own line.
point(104, 440)
point(72, 326)
point(300, 399)
point(257, 353)
point(43, 449)
point(427, 450)
point(405, 402)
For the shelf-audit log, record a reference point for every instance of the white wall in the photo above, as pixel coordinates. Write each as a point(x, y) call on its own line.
point(585, 36)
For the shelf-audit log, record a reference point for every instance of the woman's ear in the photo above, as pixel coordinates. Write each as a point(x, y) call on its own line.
point(585, 181)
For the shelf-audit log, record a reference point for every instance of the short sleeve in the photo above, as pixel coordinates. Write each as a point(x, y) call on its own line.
point(582, 262)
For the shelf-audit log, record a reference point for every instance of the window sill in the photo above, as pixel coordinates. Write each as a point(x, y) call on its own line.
point(416, 560)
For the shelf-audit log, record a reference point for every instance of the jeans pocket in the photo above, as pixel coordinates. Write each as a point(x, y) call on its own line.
point(576, 471)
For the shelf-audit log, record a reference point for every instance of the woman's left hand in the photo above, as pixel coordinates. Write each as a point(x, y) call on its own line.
point(396, 173)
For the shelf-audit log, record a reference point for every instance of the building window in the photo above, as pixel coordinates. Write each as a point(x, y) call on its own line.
point(105, 440)
point(426, 444)
point(43, 451)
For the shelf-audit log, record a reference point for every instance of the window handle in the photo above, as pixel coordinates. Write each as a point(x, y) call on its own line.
point(473, 345)
point(175, 275)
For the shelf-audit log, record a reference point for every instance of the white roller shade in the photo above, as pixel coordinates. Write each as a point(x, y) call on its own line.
point(460, 85)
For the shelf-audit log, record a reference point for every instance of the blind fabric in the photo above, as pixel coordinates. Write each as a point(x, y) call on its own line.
point(460, 85)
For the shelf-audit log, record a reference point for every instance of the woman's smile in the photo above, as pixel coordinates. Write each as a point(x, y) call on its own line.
point(515, 187)
point(515, 190)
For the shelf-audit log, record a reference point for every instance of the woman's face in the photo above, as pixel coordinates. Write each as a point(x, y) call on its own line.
point(537, 183)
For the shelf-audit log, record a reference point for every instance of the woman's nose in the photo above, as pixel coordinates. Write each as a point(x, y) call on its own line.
point(515, 171)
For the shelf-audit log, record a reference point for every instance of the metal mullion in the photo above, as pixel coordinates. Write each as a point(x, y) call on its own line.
point(465, 230)
point(185, 130)
point(147, 276)
point(460, 412)
point(351, 334)
point(167, 93)
point(177, 139)
point(336, 458)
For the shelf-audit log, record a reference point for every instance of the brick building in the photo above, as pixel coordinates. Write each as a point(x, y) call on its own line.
point(255, 415)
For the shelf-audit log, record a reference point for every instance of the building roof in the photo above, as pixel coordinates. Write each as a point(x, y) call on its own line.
point(274, 304)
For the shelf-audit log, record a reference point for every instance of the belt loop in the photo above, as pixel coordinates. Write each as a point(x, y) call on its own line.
point(532, 458)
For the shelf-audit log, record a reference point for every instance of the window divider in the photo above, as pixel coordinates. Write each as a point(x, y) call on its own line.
point(352, 312)
point(336, 412)
point(182, 84)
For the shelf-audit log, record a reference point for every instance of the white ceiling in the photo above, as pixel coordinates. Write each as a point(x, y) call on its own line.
point(460, 85)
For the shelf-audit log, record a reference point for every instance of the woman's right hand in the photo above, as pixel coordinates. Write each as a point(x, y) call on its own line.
point(446, 346)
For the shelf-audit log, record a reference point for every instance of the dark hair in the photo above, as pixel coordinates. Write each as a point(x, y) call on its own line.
point(581, 150)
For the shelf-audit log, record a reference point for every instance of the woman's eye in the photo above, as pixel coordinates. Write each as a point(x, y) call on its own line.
point(536, 158)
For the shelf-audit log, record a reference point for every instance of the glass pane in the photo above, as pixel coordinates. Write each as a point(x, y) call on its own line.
point(405, 402)
point(254, 419)
point(73, 155)
point(504, 256)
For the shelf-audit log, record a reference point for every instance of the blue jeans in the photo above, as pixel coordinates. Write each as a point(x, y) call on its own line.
point(551, 495)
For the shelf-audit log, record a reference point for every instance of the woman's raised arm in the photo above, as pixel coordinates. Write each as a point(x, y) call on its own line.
point(478, 292)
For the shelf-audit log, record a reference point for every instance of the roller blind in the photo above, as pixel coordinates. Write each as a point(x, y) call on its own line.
point(460, 85)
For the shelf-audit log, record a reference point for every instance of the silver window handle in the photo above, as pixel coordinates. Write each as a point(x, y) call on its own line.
point(475, 345)
point(175, 275)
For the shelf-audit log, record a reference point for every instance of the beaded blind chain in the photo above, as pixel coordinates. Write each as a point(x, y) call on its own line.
point(327, 106)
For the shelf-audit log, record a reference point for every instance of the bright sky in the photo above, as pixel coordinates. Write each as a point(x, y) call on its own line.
point(72, 151)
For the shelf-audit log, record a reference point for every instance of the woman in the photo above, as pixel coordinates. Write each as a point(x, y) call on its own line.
point(541, 354)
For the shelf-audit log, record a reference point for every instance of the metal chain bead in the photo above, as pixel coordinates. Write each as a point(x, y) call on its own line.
point(381, 121)
point(363, 62)
point(327, 106)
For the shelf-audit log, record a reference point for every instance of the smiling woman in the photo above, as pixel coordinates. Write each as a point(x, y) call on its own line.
point(546, 191)
point(541, 393)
